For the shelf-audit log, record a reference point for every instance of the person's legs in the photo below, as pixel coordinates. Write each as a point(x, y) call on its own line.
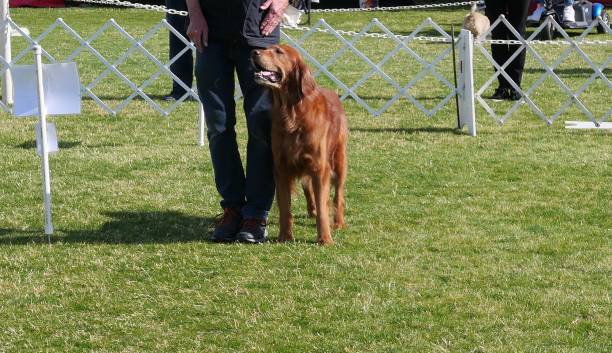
point(215, 81)
point(183, 66)
point(259, 187)
point(495, 8)
point(517, 14)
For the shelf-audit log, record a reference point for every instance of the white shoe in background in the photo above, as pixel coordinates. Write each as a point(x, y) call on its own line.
point(291, 16)
point(569, 15)
point(536, 15)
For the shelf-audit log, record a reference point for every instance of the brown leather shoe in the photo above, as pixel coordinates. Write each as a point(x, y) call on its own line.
point(227, 226)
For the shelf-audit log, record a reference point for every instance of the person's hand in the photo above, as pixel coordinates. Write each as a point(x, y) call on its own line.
point(274, 16)
point(197, 30)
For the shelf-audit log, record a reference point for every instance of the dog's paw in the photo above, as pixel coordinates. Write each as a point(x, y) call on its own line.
point(325, 241)
point(282, 238)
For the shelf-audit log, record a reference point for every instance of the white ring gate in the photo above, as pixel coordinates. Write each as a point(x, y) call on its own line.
point(348, 41)
point(573, 45)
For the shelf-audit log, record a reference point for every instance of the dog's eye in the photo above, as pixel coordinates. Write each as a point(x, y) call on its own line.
point(278, 51)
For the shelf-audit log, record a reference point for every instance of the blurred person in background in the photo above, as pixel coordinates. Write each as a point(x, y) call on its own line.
point(569, 14)
point(516, 13)
point(183, 66)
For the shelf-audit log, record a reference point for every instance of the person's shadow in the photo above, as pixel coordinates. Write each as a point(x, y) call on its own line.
point(125, 227)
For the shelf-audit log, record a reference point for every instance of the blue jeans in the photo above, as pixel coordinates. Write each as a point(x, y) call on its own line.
point(252, 192)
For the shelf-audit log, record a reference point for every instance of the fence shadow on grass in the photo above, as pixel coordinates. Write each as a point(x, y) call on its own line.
point(429, 129)
point(577, 72)
point(121, 98)
point(125, 227)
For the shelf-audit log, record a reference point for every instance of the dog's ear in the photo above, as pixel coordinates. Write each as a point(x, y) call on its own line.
point(302, 81)
point(307, 81)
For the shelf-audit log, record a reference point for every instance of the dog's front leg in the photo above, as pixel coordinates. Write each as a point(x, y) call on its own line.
point(284, 185)
point(320, 183)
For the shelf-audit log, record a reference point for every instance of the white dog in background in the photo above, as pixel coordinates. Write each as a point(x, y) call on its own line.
point(477, 23)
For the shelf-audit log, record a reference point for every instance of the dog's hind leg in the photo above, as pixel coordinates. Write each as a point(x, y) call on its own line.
point(284, 185)
point(339, 182)
point(310, 198)
point(320, 183)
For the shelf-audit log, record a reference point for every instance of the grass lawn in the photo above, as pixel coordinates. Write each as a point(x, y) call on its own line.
point(499, 243)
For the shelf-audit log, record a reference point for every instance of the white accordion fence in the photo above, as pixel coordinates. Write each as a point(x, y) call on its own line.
point(567, 46)
point(111, 66)
point(376, 54)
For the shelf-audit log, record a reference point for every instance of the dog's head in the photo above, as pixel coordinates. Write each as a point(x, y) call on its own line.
point(280, 67)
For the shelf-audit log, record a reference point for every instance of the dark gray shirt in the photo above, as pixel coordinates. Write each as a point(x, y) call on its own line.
point(237, 20)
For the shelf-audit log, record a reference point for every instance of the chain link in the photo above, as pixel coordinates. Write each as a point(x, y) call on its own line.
point(135, 5)
point(396, 8)
point(163, 9)
point(366, 35)
point(550, 42)
point(447, 40)
point(160, 8)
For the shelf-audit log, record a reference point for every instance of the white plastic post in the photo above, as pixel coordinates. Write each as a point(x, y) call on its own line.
point(467, 112)
point(201, 126)
point(45, 149)
point(5, 52)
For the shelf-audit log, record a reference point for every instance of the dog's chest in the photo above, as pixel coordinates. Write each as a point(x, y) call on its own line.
point(293, 151)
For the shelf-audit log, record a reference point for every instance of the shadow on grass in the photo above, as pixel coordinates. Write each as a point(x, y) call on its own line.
point(125, 227)
point(375, 98)
point(409, 130)
point(579, 72)
point(141, 227)
point(61, 144)
point(121, 98)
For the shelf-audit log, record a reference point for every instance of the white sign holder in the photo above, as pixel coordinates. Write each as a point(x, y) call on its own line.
point(42, 110)
point(40, 90)
point(5, 52)
point(467, 111)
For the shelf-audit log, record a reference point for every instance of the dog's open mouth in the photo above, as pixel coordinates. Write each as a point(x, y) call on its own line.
point(270, 76)
point(264, 75)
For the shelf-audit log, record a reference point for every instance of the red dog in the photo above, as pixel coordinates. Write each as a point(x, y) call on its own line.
point(309, 136)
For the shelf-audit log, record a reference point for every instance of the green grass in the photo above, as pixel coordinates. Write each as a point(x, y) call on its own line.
point(499, 243)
